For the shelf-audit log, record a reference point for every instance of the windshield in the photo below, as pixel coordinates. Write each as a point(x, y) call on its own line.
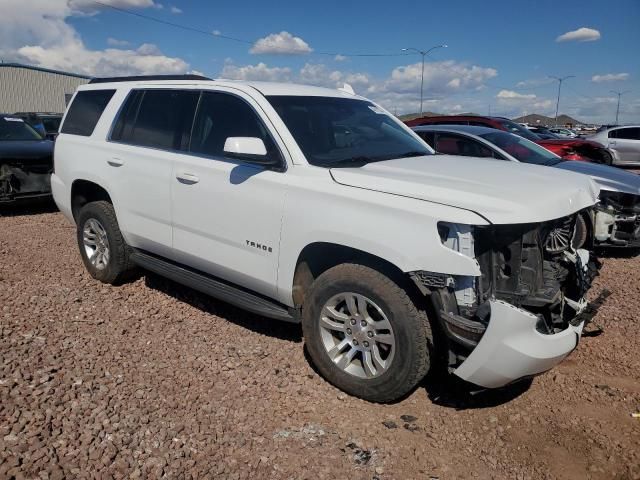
point(522, 149)
point(519, 130)
point(12, 128)
point(332, 131)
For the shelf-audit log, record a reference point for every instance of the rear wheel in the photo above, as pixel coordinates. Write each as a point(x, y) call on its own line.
point(365, 335)
point(104, 252)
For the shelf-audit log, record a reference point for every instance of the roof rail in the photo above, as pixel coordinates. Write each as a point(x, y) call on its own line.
point(147, 77)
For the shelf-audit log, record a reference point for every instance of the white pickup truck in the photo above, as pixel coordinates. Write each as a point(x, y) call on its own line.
point(317, 206)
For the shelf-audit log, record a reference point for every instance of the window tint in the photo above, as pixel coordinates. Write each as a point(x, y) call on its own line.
point(521, 148)
point(85, 111)
point(452, 144)
point(14, 128)
point(157, 118)
point(221, 116)
point(428, 137)
point(627, 133)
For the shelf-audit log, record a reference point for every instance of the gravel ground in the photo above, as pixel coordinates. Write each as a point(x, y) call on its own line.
point(152, 380)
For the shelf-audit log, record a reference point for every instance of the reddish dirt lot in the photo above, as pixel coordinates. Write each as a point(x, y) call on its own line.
point(152, 380)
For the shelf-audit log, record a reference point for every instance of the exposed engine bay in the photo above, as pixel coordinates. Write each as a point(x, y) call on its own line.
point(616, 220)
point(24, 180)
point(530, 266)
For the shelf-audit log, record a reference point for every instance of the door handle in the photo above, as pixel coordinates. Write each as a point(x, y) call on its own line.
point(188, 178)
point(612, 144)
point(115, 162)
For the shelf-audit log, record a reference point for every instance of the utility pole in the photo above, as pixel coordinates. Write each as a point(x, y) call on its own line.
point(618, 107)
point(560, 80)
point(424, 53)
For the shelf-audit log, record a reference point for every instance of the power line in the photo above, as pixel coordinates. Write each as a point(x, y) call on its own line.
point(228, 37)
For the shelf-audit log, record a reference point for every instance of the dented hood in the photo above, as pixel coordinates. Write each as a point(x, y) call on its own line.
point(502, 192)
point(608, 178)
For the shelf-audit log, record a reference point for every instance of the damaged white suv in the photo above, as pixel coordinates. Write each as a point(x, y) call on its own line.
point(317, 206)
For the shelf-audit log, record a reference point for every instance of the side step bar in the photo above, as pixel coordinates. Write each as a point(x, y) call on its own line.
point(213, 287)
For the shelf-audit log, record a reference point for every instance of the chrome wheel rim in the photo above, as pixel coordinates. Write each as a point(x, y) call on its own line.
point(96, 243)
point(357, 335)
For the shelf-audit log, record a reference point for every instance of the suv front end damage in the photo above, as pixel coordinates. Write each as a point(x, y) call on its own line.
point(19, 180)
point(525, 312)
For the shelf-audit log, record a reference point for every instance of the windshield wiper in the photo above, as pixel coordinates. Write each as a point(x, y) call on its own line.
point(412, 154)
point(357, 161)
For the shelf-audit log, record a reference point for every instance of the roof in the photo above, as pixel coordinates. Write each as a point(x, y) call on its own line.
point(470, 129)
point(266, 88)
point(45, 70)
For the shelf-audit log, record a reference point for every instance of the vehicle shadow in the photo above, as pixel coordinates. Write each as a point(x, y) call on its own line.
point(449, 391)
point(618, 252)
point(31, 207)
point(256, 323)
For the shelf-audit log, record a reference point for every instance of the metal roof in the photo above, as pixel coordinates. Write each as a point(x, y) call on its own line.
point(45, 70)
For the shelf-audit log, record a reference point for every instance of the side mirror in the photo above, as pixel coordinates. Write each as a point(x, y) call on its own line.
point(248, 148)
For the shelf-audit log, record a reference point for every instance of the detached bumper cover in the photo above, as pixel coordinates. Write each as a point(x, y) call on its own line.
point(512, 348)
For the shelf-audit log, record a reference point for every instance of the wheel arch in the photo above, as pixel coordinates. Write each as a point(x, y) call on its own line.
point(85, 191)
point(318, 257)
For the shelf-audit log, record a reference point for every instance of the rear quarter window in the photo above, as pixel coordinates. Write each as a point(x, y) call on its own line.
point(85, 111)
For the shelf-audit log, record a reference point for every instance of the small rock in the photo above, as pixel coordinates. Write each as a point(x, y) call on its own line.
point(408, 418)
point(390, 424)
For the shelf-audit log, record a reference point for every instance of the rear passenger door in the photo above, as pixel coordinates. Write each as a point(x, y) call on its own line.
point(153, 124)
point(625, 142)
point(227, 213)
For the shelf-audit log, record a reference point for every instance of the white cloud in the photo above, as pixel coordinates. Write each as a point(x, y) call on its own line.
point(610, 77)
point(259, 72)
point(582, 34)
point(176, 10)
point(216, 32)
point(114, 42)
point(282, 43)
point(37, 33)
point(511, 95)
point(340, 58)
point(534, 82)
point(90, 7)
point(439, 78)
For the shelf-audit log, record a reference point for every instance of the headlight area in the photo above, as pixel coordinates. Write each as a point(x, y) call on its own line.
point(616, 220)
point(531, 267)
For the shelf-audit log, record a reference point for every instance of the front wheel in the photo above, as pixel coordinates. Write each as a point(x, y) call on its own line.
point(365, 335)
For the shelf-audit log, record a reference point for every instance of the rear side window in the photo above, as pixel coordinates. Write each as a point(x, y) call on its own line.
point(157, 118)
point(626, 133)
point(452, 144)
point(85, 111)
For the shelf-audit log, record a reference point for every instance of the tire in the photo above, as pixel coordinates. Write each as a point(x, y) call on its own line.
point(407, 360)
point(607, 158)
point(97, 224)
point(581, 233)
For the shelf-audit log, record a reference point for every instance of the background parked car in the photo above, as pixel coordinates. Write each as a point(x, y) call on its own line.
point(623, 142)
point(614, 222)
point(564, 132)
point(26, 161)
point(567, 148)
point(543, 132)
point(47, 124)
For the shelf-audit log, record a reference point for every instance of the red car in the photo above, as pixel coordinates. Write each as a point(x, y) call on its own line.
point(567, 148)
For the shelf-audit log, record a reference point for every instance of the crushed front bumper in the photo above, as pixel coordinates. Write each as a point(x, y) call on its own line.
point(512, 348)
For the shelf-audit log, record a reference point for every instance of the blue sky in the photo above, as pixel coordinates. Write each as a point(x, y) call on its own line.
point(499, 56)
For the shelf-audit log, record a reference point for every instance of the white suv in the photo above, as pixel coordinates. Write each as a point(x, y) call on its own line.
point(317, 206)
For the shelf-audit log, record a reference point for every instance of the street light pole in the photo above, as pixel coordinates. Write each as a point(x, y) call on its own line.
point(560, 80)
point(618, 107)
point(424, 53)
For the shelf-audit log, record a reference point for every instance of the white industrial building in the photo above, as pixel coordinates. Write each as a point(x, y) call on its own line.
point(24, 88)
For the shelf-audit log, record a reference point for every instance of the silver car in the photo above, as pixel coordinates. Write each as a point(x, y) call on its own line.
point(615, 221)
point(623, 143)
